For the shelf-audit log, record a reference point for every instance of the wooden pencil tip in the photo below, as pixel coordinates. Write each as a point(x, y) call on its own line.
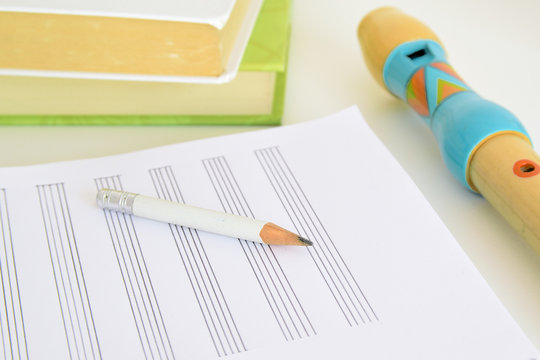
point(304, 241)
point(272, 234)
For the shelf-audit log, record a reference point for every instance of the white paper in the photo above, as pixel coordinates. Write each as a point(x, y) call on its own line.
point(384, 279)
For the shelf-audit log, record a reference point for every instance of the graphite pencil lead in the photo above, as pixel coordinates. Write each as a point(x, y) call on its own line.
point(304, 241)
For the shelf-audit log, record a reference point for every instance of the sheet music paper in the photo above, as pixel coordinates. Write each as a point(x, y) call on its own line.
point(384, 279)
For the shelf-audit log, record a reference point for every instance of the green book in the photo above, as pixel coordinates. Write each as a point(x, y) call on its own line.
point(254, 97)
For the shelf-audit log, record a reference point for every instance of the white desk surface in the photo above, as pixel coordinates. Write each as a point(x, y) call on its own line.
point(494, 46)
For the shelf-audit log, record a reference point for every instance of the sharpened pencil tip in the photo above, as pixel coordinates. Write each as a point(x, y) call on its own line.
point(305, 242)
point(272, 234)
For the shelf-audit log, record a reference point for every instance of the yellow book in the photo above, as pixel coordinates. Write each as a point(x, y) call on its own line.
point(255, 96)
point(163, 40)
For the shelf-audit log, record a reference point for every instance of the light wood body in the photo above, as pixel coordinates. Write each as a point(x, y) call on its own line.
point(517, 198)
point(382, 30)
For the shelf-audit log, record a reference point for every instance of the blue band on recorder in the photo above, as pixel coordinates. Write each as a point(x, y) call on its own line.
point(461, 120)
point(405, 60)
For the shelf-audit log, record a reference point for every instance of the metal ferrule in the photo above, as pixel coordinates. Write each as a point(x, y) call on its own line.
point(115, 200)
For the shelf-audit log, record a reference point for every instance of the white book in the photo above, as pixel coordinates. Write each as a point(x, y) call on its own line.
point(162, 40)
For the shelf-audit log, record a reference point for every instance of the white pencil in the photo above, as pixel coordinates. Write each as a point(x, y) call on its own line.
point(212, 221)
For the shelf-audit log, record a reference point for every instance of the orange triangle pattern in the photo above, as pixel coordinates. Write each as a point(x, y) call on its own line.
point(416, 93)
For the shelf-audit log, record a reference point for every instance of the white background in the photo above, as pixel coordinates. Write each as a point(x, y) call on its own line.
point(494, 45)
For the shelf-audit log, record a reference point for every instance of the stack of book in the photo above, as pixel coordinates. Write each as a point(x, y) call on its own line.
point(166, 68)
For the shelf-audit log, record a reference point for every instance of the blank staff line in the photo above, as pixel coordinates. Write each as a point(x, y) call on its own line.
point(251, 246)
point(172, 180)
point(138, 276)
point(280, 167)
point(166, 176)
point(147, 282)
point(132, 254)
point(63, 197)
point(99, 184)
point(78, 271)
point(56, 216)
point(4, 296)
point(295, 209)
point(283, 190)
point(278, 151)
point(81, 303)
point(238, 349)
point(323, 275)
point(214, 317)
point(54, 271)
point(140, 292)
point(228, 172)
point(243, 244)
point(153, 298)
point(188, 245)
point(132, 276)
point(299, 304)
point(122, 243)
point(258, 249)
point(18, 321)
point(279, 170)
point(187, 272)
point(178, 241)
point(280, 283)
point(7, 316)
point(69, 275)
point(56, 241)
point(47, 214)
point(3, 337)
